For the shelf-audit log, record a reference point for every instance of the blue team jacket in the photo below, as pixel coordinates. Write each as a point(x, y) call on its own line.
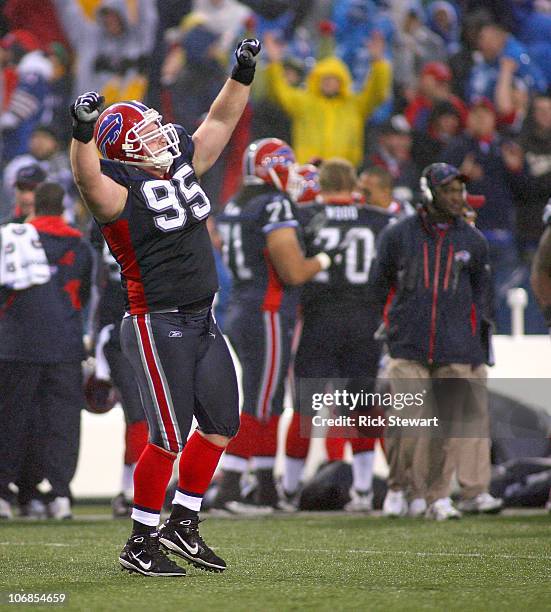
point(43, 324)
point(432, 285)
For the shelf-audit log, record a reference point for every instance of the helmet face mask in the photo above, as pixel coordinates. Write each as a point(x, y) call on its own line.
point(269, 161)
point(304, 184)
point(119, 136)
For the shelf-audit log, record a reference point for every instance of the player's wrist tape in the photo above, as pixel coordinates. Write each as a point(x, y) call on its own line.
point(546, 310)
point(324, 260)
point(243, 74)
point(83, 132)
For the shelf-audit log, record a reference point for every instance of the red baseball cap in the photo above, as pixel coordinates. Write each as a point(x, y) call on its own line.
point(27, 40)
point(484, 102)
point(439, 70)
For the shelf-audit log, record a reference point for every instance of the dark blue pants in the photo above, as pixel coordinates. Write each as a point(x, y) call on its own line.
point(40, 408)
point(184, 369)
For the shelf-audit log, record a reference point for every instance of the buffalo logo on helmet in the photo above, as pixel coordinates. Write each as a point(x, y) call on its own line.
point(268, 160)
point(109, 131)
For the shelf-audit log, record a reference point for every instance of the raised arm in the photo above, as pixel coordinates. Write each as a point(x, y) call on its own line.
point(213, 134)
point(288, 260)
point(104, 197)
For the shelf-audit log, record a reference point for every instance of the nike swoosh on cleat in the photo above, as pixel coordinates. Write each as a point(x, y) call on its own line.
point(145, 566)
point(193, 550)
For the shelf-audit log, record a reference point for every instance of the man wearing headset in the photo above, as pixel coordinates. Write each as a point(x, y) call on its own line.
point(431, 280)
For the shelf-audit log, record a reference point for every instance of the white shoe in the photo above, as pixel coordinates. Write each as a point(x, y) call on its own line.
point(395, 503)
point(417, 507)
point(482, 503)
point(60, 508)
point(237, 507)
point(442, 510)
point(34, 509)
point(359, 502)
point(5, 509)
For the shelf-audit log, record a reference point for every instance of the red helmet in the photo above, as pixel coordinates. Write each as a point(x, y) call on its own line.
point(119, 135)
point(100, 395)
point(304, 185)
point(268, 160)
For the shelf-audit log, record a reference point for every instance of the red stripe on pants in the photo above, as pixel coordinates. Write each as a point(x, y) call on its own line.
point(155, 375)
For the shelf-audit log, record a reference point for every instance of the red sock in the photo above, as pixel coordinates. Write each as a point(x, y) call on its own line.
point(362, 445)
point(334, 447)
point(196, 469)
point(266, 443)
point(241, 445)
point(135, 441)
point(296, 446)
point(151, 478)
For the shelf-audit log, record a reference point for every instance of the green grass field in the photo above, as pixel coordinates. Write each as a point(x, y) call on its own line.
point(303, 562)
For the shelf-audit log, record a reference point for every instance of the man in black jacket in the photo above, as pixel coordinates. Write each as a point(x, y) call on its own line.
point(432, 274)
point(41, 351)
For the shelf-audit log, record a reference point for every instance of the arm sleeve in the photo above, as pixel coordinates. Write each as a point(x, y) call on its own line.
point(277, 213)
point(291, 99)
point(376, 88)
point(481, 282)
point(382, 276)
point(85, 272)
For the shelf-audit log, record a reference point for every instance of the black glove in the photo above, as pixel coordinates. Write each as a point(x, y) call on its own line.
point(245, 54)
point(85, 111)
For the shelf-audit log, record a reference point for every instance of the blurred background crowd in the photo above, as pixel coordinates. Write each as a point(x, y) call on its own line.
point(397, 84)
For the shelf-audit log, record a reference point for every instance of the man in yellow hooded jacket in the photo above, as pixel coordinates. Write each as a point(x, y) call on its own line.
point(327, 117)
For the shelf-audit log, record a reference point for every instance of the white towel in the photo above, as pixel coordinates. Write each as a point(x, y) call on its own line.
point(103, 371)
point(23, 262)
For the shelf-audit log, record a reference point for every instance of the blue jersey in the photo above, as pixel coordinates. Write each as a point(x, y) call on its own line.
point(244, 224)
point(160, 240)
point(354, 228)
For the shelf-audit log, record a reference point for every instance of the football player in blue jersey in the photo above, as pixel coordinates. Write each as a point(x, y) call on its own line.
point(152, 212)
point(263, 251)
point(337, 334)
point(541, 277)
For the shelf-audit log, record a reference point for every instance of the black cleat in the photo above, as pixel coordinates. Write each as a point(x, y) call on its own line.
point(182, 538)
point(143, 555)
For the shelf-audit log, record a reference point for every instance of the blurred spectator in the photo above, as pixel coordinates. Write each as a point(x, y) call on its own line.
point(226, 18)
point(44, 150)
point(511, 97)
point(433, 86)
point(26, 102)
point(60, 96)
point(493, 43)
point(535, 140)
point(27, 180)
point(414, 46)
point(327, 117)
point(171, 13)
point(355, 23)
point(39, 18)
point(268, 120)
point(197, 54)
point(444, 21)
point(495, 168)
point(112, 51)
point(40, 371)
point(533, 29)
point(462, 62)
point(444, 123)
point(393, 152)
